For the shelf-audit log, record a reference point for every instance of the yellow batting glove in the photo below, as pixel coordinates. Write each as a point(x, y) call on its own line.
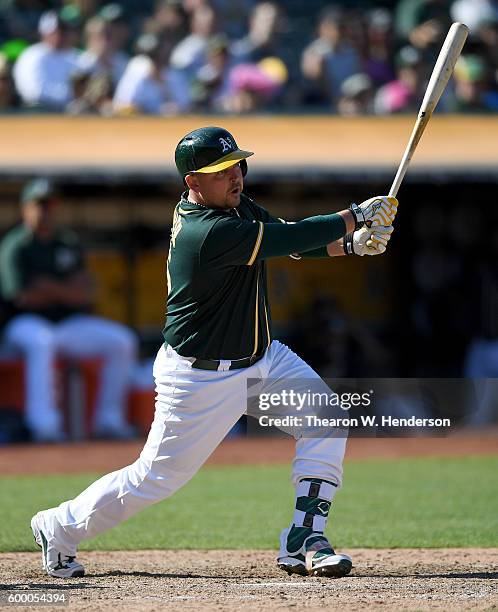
point(368, 241)
point(379, 210)
point(386, 212)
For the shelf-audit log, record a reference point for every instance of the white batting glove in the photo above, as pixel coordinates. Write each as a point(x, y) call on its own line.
point(368, 240)
point(379, 210)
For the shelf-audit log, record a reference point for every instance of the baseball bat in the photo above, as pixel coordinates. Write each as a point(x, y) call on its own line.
point(440, 76)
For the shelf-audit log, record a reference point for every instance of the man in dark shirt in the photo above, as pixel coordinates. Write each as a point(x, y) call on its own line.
point(218, 335)
point(48, 295)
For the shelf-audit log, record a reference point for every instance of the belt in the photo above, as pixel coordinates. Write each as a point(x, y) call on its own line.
point(227, 364)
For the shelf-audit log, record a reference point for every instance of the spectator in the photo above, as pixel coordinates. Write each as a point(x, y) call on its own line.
point(473, 13)
point(149, 85)
point(488, 38)
point(422, 22)
point(70, 16)
point(356, 40)
point(169, 16)
point(43, 71)
point(329, 60)
point(8, 98)
point(253, 87)
point(119, 30)
point(472, 86)
point(85, 9)
point(356, 95)
point(190, 53)
point(100, 59)
point(234, 15)
point(212, 82)
point(402, 94)
point(263, 38)
point(91, 95)
point(43, 279)
point(379, 47)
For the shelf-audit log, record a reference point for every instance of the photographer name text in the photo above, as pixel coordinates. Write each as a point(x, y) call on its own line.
point(363, 421)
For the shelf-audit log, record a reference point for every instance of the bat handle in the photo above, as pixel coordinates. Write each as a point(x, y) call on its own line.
point(398, 179)
point(416, 135)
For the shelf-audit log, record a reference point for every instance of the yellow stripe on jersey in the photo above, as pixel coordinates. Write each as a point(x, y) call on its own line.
point(257, 245)
point(256, 319)
point(267, 326)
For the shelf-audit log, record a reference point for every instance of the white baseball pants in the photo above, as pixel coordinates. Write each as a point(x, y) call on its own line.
point(195, 409)
point(77, 336)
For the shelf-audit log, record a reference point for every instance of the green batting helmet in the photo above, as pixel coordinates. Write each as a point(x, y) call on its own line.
point(209, 149)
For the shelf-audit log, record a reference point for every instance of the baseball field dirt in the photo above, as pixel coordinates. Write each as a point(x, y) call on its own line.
point(108, 456)
point(403, 579)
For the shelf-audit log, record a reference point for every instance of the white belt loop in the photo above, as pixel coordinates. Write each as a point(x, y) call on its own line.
point(224, 365)
point(170, 352)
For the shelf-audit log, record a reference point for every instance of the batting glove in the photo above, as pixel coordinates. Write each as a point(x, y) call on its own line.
point(368, 241)
point(379, 210)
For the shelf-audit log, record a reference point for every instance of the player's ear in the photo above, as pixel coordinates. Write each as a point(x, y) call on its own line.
point(192, 182)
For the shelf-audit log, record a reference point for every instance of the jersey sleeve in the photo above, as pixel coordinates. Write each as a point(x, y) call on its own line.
point(232, 241)
point(11, 277)
point(320, 252)
point(307, 235)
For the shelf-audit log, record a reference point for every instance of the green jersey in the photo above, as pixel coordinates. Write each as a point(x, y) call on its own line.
point(24, 258)
point(217, 280)
point(217, 294)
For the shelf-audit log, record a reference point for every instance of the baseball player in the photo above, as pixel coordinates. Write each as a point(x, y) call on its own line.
point(48, 292)
point(218, 334)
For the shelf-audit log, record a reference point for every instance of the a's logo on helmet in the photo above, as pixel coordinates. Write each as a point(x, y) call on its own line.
point(226, 143)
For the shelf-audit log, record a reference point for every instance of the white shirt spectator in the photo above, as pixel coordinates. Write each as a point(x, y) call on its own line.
point(140, 91)
point(189, 53)
point(89, 62)
point(474, 12)
point(42, 75)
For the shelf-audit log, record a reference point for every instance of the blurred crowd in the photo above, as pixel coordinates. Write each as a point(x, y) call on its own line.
point(164, 57)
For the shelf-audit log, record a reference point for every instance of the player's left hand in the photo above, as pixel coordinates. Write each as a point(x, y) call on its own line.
point(379, 210)
point(371, 240)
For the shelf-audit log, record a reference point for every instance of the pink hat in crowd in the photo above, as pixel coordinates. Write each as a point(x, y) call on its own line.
point(394, 97)
point(265, 77)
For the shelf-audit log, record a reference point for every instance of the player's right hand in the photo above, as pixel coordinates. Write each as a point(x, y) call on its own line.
point(371, 240)
point(379, 210)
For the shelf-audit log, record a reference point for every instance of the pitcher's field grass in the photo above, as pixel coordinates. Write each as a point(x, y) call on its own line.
point(400, 503)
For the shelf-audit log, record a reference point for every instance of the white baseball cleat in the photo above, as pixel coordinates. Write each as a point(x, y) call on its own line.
point(55, 563)
point(315, 557)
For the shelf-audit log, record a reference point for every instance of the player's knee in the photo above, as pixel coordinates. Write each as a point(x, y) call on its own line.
point(32, 333)
point(127, 342)
point(121, 339)
point(157, 479)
